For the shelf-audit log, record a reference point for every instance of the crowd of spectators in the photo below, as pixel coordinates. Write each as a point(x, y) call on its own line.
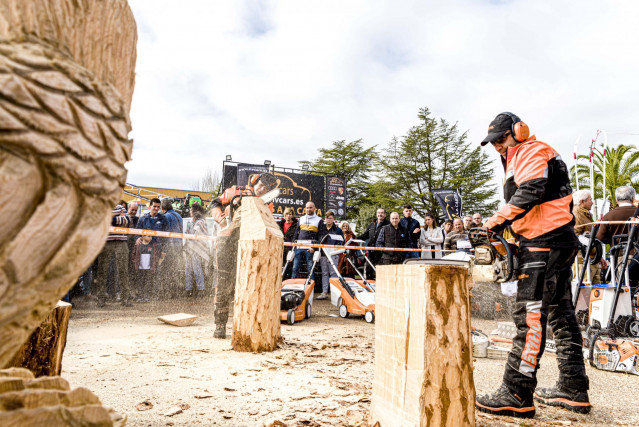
point(405, 232)
point(133, 268)
point(137, 269)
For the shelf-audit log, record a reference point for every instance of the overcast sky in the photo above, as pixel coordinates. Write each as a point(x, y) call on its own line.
point(278, 80)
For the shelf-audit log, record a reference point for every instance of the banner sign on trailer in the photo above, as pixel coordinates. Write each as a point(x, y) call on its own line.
point(450, 201)
point(336, 196)
point(229, 176)
point(296, 190)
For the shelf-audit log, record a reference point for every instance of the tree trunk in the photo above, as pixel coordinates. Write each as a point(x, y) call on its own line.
point(42, 353)
point(258, 287)
point(423, 349)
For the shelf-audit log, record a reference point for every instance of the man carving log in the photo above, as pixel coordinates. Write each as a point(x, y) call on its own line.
point(66, 81)
point(228, 240)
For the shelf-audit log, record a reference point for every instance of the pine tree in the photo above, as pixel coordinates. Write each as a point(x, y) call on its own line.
point(348, 160)
point(434, 155)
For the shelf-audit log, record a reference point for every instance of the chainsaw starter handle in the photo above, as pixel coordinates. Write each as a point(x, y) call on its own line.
point(509, 255)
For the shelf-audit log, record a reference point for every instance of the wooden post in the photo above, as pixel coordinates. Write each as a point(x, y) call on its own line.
point(423, 347)
point(258, 287)
point(42, 353)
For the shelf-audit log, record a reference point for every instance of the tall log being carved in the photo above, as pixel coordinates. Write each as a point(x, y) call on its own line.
point(256, 309)
point(66, 82)
point(423, 347)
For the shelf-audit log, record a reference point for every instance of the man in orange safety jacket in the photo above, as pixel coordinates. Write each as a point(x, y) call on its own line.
point(538, 211)
point(227, 243)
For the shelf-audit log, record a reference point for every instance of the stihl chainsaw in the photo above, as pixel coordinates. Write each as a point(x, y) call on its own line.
point(495, 258)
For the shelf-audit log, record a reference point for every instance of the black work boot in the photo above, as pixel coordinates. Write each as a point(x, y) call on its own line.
point(576, 401)
point(505, 402)
point(220, 331)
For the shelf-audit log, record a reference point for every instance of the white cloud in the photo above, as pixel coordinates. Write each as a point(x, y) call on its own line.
point(278, 80)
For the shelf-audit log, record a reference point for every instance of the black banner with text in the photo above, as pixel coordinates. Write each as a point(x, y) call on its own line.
point(451, 202)
point(296, 190)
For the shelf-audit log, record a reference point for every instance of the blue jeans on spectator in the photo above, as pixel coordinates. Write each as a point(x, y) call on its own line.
point(410, 255)
point(327, 272)
point(193, 267)
point(299, 253)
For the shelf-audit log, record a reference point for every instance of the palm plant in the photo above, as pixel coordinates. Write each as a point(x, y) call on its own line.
point(622, 168)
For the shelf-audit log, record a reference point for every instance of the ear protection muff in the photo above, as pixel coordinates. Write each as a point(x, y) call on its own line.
point(519, 129)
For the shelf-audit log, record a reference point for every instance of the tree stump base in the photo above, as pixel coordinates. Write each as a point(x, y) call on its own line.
point(423, 348)
point(42, 353)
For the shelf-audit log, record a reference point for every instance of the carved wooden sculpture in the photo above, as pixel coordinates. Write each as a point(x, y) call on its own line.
point(66, 81)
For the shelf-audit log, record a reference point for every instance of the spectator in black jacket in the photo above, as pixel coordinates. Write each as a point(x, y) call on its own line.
point(370, 237)
point(131, 239)
point(392, 236)
point(288, 227)
point(336, 237)
point(116, 248)
point(411, 229)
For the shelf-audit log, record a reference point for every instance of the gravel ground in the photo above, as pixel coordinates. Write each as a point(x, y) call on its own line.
point(159, 375)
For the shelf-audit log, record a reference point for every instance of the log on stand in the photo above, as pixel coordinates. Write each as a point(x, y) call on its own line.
point(256, 309)
point(42, 353)
point(423, 348)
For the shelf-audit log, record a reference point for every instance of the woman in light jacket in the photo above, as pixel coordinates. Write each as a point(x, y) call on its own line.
point(431, 238)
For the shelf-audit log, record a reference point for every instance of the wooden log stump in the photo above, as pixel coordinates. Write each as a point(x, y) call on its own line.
point(423, 347)
point(42, 353)
point(49, 401)
point(256, 309)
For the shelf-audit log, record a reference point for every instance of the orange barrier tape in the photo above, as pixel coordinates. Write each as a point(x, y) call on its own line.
point(365, 248)
point(170, 235)
point(153, 233)
point(609, 222)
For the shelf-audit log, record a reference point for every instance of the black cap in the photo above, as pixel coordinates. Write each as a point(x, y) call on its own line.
point(498, 127)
